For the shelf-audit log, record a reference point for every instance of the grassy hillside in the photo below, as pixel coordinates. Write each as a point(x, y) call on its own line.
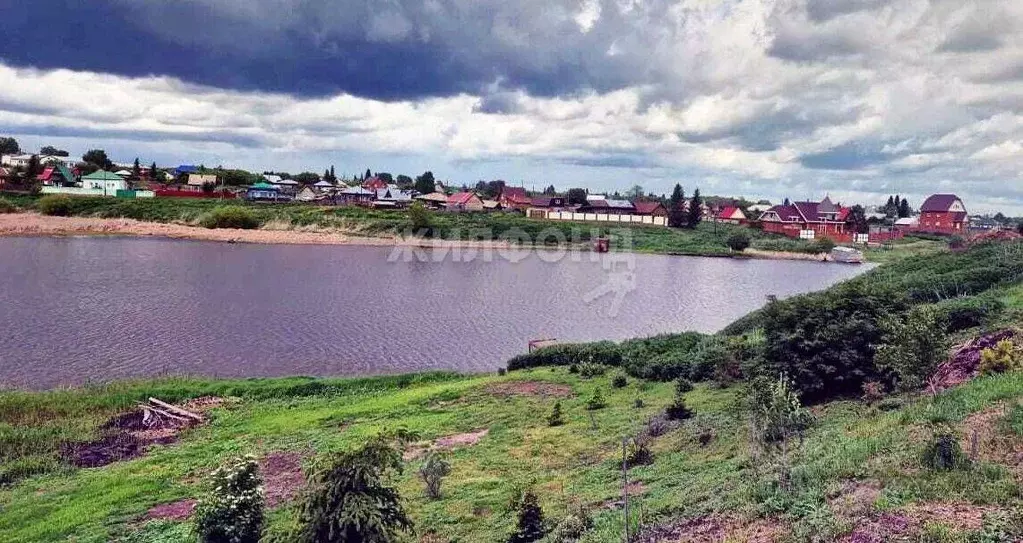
point(707, 239)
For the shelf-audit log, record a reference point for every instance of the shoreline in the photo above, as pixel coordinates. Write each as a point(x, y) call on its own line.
point(28, 224)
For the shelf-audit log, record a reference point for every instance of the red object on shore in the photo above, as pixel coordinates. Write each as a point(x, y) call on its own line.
point(602, 245)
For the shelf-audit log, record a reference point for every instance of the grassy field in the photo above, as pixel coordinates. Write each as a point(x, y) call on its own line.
point(707, 239)
point(852, 445)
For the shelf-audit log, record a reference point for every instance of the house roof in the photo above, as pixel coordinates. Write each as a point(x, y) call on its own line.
point(546, 201)
point(515, 194)
point(263, 186)
point(4, 172)
point(103, 175)
point(460, 198)
point(323, 184)
point(272, 178)
point(46, 175)
point(287, 182)
point(123, 173)
point(357, 191)
point(646, 206)
point(727, 212)
point(907, 221)
point(394, 194)
point(939, 203)
point(491, 204)
point(201, 179)
point(620, 204)
point(434, 197)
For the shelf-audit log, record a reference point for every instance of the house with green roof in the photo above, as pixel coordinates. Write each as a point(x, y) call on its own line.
point(108, 182)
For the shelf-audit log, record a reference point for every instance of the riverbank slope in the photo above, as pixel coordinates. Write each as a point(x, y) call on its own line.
point(857, 474)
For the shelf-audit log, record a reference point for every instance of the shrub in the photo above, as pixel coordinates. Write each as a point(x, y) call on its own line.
point(349, 500)
point(596, 401)
point(7, 207)
point(944, 454)
point(232, 510)
point(530, 526)
point(588, 370)
point(638, 403)
point(230, 217)
point(56, 205)
point(574, 368)
point(658, 426)
point(432, 472)
point(502, 372)
point(912, 346)
point(964, 313)
point(777, 421)
point(738, 241)
point(606, 353)
point(678, 409)
point(619, 381)
point(872, 391)
point(555, 418)
point(823, 245)
point(571, 528)
point(638, 451)
point(420, 219)
point(1000, 358)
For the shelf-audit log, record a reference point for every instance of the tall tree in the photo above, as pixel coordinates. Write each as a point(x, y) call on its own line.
point(695, 209)
point(50, 150)
point(787, 202)
point(326, 174)
point(904, 209)
point(152, 171)
point(857, 219)
point(404, 182)
point(425, 184)
point(576, 196)
point(9, 146)
point(99, 158)
point(368, 174)
point(677, 207)
point(550, 190)
point(333, 177)
point(635, 192)
point(136, 170)
point(32, 169)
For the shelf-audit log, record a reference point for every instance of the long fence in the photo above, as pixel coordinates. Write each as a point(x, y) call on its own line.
point(606, 217)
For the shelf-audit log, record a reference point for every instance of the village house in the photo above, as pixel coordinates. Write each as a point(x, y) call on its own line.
point(57, 175)
point(286, 186)
point(21, 161)
point(106, 181)
point(651, 208)
point(942, 214)
point(374, 183)
point(355, 195)
point(607, 206)
point(392, 197)
point(308, 194)
point(547, 202)
point(434, 200)
point(514, 198)
point(492, 205)
point(730, 215)
point(197, 181)
point(806, 220)
point(263, 192)
point(465, 201)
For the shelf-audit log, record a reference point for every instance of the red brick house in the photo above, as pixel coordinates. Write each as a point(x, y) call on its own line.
point(942, 214)
point(654, 209)
point(824, 219)
point(514, 198)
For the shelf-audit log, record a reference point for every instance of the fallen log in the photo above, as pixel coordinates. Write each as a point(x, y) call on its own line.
point(176, 409)
point(155, 412)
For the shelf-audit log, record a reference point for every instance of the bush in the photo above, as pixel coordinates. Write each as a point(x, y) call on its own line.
point(530, 526)
point(912, 346)
point(738, 241)
point(7, 207)
point(823, 245)
point(589, 371)
point(230, 217)
point(420, 219)
point(944, 454)
point(432, 472)
point(596, 401)
point(638, 451)
point(571, 528)
point(678, 409)
point(606, 353)
point(56, 205)
point(1001, 358)
point(232, 511)
point(349, 500)
point(971, 312)
point(619, 381)
point(658, 426)
point(638, 403)
point(555, 418)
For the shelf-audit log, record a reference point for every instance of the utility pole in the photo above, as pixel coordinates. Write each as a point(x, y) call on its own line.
point(625, 486)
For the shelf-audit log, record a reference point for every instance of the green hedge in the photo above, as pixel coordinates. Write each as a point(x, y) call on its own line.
point(964, 313)
point(230, 217)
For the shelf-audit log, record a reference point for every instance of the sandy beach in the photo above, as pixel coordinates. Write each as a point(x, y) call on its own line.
point(34, 224)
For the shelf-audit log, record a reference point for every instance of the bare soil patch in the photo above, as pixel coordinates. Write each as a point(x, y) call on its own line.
point(179, 510)
point(714, 529)
point(855, 499)
point(129, 435)
point(282, 477)
point(964, 362)
point(906, 524)
point(530, 388)
point(446, 443)
point(986, 438)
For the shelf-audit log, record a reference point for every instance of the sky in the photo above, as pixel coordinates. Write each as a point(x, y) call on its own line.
point(856, 99)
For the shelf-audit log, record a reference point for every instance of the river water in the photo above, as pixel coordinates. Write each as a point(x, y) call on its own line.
point(76, 310)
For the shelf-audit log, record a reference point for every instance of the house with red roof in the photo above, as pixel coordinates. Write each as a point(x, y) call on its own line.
point(56, 175)
point(730, 215)
point(942, 214)
point(651, 208)
point(374, 184)
point(514, 198)
point(465, 201)
point(807, 220)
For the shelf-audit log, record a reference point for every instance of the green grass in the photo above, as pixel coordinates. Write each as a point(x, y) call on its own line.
point(567, 465)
